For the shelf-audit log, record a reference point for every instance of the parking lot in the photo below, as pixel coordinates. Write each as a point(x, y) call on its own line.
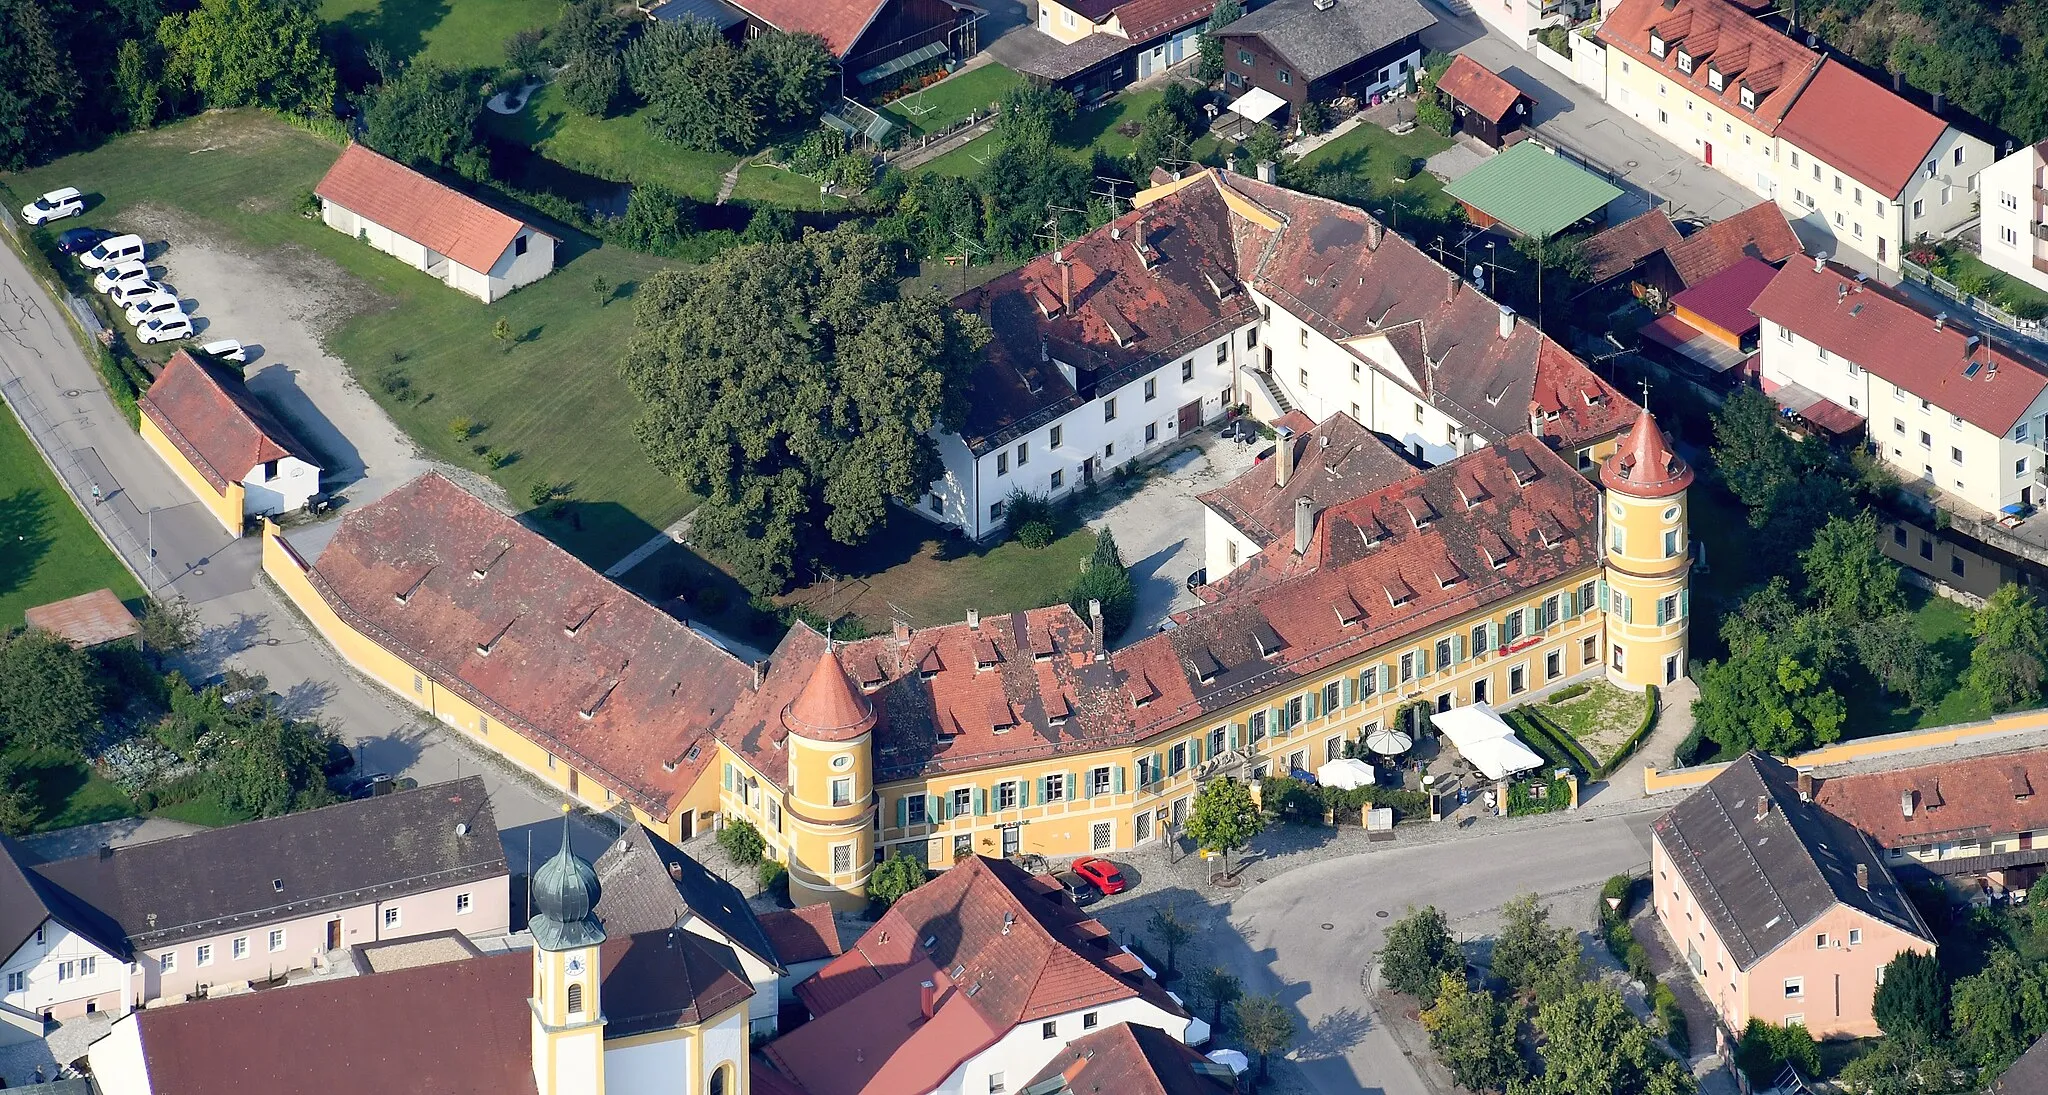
point(1158, 527)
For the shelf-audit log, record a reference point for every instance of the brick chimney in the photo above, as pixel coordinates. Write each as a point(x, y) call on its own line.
point(1863, 876)
point(1763, 807)
point(1066, 281)
point(1283, 455)
point(927, 997)
point(1304, 524)
point(1373, 230)
point(1095, 625)
point(1536, 418)
point(1806, 787)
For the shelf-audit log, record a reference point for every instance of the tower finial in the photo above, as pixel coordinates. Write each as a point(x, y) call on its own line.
point(1646, 393)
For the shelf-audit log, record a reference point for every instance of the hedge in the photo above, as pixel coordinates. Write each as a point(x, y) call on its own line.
point(124, 377)
point(1635, 740)
point(1544, 736)
point(1292, 800)
point(1568, 692)
point(1557, 796)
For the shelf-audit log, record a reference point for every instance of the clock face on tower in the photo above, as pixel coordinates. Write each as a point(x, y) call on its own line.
point(575, 966)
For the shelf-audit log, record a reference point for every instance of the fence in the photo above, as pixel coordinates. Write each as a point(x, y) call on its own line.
point(1913, 271)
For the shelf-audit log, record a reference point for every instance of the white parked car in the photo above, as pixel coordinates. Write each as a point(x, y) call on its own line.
point(136, 292)
point(118, 249)
point(153, 306)
point(167, 328)
point(121, 273)
point(227, 349)
point(54, 206)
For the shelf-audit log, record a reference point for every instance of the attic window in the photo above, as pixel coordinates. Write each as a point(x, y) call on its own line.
point(590, 708)
point(871, 673)
point(1684, 61)
point(1449, 575)
point(929, 665)
point(985, 656)
point(1268, 639)
point(484, 648)
point(1057, 709)
point(1524, 468)
point(1001, 716)
point(1549, 530)
point(405, 595)
point(1207, 667)
point(1041, 645)
point(1220, 285)
point(1031, 381)
point(1348, 612)
point(1398, 591)
point(1472, 493)
point(277, 885)
point(1715, 81)
point(2016, 779)
point(1142, 690)
point(1372, 531)
point(1656, 44)
point(1748, 98)
point(1419, 511)
point(574, 622)
point(489, 556)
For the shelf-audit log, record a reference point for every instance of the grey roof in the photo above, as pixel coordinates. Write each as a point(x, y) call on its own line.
point(641, 894)
point(721, 15)
point(565, 895)
point(27, 899)
point(1077, 57)
point(2028, 1075)
point(1761, 881)
point(1318, 42)
point(300, 864)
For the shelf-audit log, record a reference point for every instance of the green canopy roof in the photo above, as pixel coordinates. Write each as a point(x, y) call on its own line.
point(1533, 191)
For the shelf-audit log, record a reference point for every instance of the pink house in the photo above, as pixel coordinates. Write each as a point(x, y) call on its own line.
point(1782, 911)
point(115, 929)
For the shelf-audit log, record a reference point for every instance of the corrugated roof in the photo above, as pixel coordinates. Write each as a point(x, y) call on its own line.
point(418, 208)
point(1859, 127)
point(1532, 191)
point(88, 619)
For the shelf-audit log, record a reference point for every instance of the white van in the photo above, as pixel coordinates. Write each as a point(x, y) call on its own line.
point(118, 249)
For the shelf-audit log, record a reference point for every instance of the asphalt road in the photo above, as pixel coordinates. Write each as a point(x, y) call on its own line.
point(159, 527)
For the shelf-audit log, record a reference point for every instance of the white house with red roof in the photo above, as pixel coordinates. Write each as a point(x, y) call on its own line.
point(222, 442)
point(1945, 405)
point(470, 246)
point(970, 984)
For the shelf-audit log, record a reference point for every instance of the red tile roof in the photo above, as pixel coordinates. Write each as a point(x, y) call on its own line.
point(829, 708)
point(1721, 38)
point(1333, 463)
point(1956, 801)
point(1859, 127)
point(1724, 299)
point(547, 647)
point(802, 935)
point(839, 22)
point(1131, 1059)
point(1001, 948)
point(1987, 384)
point(1478, 87)
point(1761, 232)
point(460, 1028)
point(418, 208)
point(1644, 465)
point(1144, 20)
point(88, 619)
point(215, 422)
point(1616, 250)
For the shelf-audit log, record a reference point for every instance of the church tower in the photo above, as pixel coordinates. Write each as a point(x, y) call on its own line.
point(1648, 559)
point(568, 1016)
point(831, 807)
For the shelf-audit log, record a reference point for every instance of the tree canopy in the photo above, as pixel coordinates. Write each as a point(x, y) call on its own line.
point(1419, 954)
point(427, 118)
point(1592, 1042)
point(2011, 633)
point(49, 693)
point(793, 387)
point(898, 875)
point(250, 53)
point(1473, 1034)
point(1913, 997)
point(1224, 818)
point(703, 93)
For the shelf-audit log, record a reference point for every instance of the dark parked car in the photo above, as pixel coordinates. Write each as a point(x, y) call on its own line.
point(1080, 889)
point(78, 241)
point(339, 759)
point(381, 783)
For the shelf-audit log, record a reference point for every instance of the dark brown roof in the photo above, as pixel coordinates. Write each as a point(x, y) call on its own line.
point(1988, 384)
point(1001, 948)
point(1131, 1059)
point(1721, 38)
point(803, 935)
point(376, 849)
point(1613, 252)
point(1959, 800)
point(1334, 462)
point(664, 979)
point(89, 619)
point(1761, 232)
point(1479, 88)
point(1761, 880)
point(651, 885)
point(27, 899)
point(453, 1028)
point(418, 208)
point(547, 647)
point(215, 422)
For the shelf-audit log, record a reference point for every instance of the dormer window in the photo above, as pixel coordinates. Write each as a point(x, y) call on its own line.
point(1748, 98)
point(1715, 80)
point(1656, 44)
point(1684, 61)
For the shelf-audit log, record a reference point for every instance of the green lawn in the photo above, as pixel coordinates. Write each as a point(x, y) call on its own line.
point(459, 35)
point(67, 791)
point(1089, 131)
point(1964, 262)
point(553, 400)
point(48, 551)
point(622, 149)
point(1601, 720)
point(1380, 157)
point(952, 99)
point(205, 810)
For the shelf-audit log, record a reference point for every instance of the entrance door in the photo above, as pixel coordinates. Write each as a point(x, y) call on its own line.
point(1191, 415)
point(686, 825)
point(334, 934)
point(1710, 153)
point(1088, 470)
point(572, 781)
point(1011, 841)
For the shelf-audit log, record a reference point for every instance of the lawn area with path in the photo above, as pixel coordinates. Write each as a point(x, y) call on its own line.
point(951, 99)
point(1089, 131)
point(552, 400)
point(619, 148)
point(48, 551)
point(1379, 156)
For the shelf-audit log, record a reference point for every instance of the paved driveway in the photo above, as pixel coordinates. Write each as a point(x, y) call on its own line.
point(1159, 526)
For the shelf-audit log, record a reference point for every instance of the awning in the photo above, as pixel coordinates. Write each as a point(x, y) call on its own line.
point(1346, 774)
point(1485, 739)
point(1257, 105)
point(918, 56)
point(1680, 337)
point(1808, 404)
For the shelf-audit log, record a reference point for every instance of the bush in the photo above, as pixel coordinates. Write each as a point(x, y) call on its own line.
point(654, 220)
point(1036, 534)
point(1522, 798)
point(1671, 1018)
point(1290, 799)
point(591, 83)
point(1547, 738)
point(1569, 692)
point(1688, 750)
point(774, 879)
point(1766, 1048)
point(898, 875)
point(743, 842)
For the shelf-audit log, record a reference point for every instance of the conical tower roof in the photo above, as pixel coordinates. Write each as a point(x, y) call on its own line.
point(565, 893)
point(829, 708)
point(1644, 466)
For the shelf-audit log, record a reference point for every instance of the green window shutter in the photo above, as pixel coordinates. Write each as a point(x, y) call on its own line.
point(1116, 776)
point(729, 779)
point(1492, 635)
point(1422, 661)
point(980, 802)
point(1570, 600)
point(940, 806)
point(1386, 677)
point(1628, 607)
point(1074, 783)
point(1603, 594)
point(1158, 767)
point(1684, 603)
point(1200, 750)
point(1660, 611)
point(1044, 790)
point(903, 812)
point(1458, 648)
point(1529, 625)
point(1350, 691)
point(1315, 705)
point(1087, 786)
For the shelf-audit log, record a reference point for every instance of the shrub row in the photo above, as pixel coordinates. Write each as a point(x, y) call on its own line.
point(1292, 800)
point(124, 376)
point(1568, 692)
point(1543, 736)
point(1635, 740)
point(1522, 799)
point(1622, 944)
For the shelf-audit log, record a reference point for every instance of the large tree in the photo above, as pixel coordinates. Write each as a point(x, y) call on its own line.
point(427, 117)
point(790, 385)
point(49, 693)
point(1592, 1042)
point(1473, 1034)
point(2006, 664)
point(1913, 997)
point(1998, 1012)
point(1420, 954)
point(1265, 1026)
point(39, 84)
point(700, 92)
point(1776, 689)
point(1846, 575)
point(1209, 68)
point(791, 72)
point(251, 53)
point(1224, 818)
point(1529, 954)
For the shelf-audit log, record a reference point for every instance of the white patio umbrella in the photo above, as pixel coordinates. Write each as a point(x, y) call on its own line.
point(1237, 1062)
point(1389, 742)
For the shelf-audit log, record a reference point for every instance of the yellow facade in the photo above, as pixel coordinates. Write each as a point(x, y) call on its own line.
point(568, 1022)
point(828, 820)
point(226, 506)
point(1648, 560)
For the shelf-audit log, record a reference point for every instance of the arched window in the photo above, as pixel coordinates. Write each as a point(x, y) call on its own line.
point(576, 999)
point(721, 1081)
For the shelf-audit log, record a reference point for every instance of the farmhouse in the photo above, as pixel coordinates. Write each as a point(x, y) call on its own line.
point(225, 444)
point(470, 246)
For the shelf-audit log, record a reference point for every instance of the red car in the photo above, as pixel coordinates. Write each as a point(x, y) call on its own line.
point(1101, 872)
